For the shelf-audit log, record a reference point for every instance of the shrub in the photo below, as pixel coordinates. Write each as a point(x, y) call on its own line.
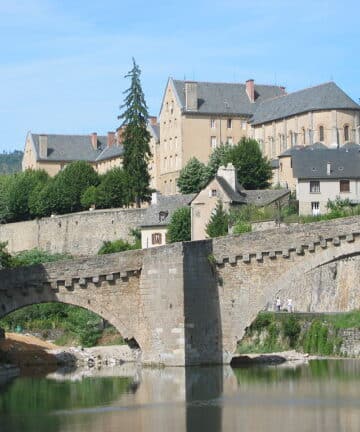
point(179, 228)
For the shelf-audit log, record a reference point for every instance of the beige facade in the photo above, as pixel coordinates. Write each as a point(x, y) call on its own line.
point(153, 236)
point(330, 127)
point(186, 135)
point(203, 206)
point(314, 194)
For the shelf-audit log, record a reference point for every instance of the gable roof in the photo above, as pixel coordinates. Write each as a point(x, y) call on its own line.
point(166, 204)
point(322, 97)
point(154, 130)
point(70, 148)
point(345, 163)
point(225, 98)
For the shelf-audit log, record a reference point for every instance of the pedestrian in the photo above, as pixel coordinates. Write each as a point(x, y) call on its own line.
point(289, 305)
point(278, 304)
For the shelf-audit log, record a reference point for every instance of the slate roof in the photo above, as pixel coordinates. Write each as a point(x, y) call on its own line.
point(322, 97)
point(264, 197)
point(155, 131)
point(235, 196)
point(292, 150)
point(165, 205)
point(226, 98)
point(345, 163)
point(70, 148)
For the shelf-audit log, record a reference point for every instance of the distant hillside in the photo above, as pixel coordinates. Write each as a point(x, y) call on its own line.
point(10, 162)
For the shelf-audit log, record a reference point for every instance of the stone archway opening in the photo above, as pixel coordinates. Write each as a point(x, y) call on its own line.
point(65, 325)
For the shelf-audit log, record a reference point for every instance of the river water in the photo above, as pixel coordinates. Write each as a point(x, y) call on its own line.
point(318, 396)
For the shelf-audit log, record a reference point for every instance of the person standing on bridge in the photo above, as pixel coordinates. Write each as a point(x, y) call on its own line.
point(289, 305)
point(278, 304)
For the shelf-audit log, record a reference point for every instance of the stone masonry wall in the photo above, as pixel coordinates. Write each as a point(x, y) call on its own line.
point(78, 234)
point(350, 342)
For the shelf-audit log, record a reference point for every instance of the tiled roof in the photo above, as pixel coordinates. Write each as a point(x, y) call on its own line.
point(322, 97)
point(154, 130)
point(226, 98)
point(315, 146)
point(344, 162)
point(76, 147)
point(160, 214)
point(237, 195)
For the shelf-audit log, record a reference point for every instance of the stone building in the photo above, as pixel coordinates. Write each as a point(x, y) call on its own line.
point(196, 117)
point(326, 174)
point(157, 218)
point(53, 152)
point(225, 187)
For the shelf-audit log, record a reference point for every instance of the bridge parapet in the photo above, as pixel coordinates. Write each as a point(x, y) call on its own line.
point(285, 242)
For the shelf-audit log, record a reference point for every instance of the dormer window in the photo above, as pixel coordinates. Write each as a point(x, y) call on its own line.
point(163, 215)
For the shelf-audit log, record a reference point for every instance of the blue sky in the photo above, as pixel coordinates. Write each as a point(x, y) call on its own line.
point(63, 62)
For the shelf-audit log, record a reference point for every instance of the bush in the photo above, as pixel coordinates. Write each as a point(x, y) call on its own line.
point(109, 247)
point(218, 224)
point(291, 329)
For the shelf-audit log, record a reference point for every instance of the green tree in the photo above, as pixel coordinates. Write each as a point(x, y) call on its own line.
point(179, 228)
point(219, 222)
point(5, 183)
point(113, 189)
point(192, 177)
point(253, 169)
point(136, 138)
point(221, 155)
point(20, 191)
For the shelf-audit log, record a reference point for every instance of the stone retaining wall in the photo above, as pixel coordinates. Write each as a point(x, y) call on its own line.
point(350, 346)
point(78, 234)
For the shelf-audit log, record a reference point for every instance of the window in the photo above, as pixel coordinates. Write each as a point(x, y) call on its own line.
point(344, 185)
point(303, 136)
point(321, 133)
point(213, 142)
point(230, 140)
point(212, 124)
point(315, 186)
point(229, 123)
point(156, 238)
point(243, 125)
point(315, 208)
point(346, 133)
point(213, 192)
point(291, 135)
point(163, 215)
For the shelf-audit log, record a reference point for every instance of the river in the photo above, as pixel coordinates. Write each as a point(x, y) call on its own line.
point(323, 395)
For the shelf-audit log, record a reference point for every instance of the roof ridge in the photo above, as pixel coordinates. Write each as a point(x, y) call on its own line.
point(227, 83)
point(67, 135)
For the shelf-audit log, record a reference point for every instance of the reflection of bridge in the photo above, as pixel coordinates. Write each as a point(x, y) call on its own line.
point(190, 303)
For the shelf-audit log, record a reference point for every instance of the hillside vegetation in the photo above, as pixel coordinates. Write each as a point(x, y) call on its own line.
point(10, 162)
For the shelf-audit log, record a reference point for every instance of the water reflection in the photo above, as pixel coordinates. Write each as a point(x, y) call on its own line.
point(324, 395)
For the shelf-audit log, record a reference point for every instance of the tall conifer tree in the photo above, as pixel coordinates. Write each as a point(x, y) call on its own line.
point(136, 137)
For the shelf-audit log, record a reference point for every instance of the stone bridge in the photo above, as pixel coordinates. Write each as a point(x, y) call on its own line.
point(190, 303)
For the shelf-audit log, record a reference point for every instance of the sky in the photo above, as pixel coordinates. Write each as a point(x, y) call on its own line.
point(63, 62)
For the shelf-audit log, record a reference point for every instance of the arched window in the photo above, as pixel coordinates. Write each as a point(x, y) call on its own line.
point(346, 133)
point(303, 135)
point(321, 133)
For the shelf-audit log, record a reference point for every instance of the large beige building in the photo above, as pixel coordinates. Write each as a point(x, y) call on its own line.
point(53, 152)
point(196, 117)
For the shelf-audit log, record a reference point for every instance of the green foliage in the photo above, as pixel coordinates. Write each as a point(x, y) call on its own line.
point(193, 177)
point(70, 184)
point(5, 257)
point(218, 224)
point(241, 227)
point(136, 138)
point(10, 162)
point(113, 189)
point(291, 329)
point(37, 256)
point(253, 170)
point(89, 197)
point(109, 247)
point(264, 319)
point(179, 228)
point(317, 340)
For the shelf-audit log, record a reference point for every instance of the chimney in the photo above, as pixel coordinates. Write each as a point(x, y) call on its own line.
point(250, 90)
point(228, 173)
point(111, 139)
point(93, 138)
point(328, 168)
point(43, 146)
point(153, 120)
point(191, 99)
